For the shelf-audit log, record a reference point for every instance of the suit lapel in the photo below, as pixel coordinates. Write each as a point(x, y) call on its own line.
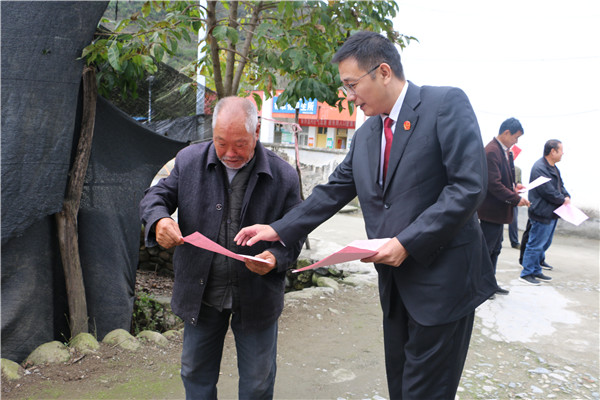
point(405, 126)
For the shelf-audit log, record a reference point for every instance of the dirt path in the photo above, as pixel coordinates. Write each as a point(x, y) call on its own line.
point(537, 342)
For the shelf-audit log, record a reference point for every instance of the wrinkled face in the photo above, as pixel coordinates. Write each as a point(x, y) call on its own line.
point(233, 144)
point(366, 92)
point(557, 153)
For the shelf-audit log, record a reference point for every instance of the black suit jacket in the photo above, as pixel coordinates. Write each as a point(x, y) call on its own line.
point(436, 181)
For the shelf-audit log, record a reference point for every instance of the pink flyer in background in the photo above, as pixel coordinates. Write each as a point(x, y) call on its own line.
point(356, 250)
point(199, 240)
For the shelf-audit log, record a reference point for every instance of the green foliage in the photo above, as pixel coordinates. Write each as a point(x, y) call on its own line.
point(262, 45)
point(127, 50)
point(150, 314)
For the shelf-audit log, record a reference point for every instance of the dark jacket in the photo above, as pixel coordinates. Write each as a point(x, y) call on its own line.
point(500, 198)
point(196, 189)
point(547, 197)
point(436, 180)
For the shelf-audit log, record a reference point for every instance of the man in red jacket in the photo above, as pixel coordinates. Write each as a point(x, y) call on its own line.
point(502, 196)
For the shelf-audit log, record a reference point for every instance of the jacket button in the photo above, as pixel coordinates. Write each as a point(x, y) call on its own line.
point(219, 207)
point(194, 321)
point(386, 205)
point(202, 281)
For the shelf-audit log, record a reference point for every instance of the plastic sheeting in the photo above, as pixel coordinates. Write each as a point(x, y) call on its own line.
point(41, 75)
point(41, 78)
point(125, 158)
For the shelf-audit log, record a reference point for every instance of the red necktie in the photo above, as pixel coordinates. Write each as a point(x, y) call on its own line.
point(389, 136)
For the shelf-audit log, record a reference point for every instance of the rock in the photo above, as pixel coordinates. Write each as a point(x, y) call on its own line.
point(536, 389)
point(10, 369)
point(172, 334)
point(308, 293)
point(49, 353)
point(539, 370)
point(85, 343)
point(121, 338)
point(323, 281)
point(153, 337)
point(359, 280)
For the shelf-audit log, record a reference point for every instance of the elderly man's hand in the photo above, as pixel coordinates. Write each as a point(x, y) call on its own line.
point(167, 233)
point(259, 267)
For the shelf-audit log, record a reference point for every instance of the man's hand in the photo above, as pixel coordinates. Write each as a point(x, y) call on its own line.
point(519, 186)
point(255, 233)
point(567, 201)
point(392, 253)
point(167, 233)
point(262, 268)
point(523, 202)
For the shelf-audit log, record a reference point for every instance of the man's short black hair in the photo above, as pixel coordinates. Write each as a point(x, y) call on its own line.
point(370, 49)
point(513, 125)
point(551, 144)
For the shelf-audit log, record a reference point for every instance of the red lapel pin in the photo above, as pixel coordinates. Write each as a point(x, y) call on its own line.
point(407, 125)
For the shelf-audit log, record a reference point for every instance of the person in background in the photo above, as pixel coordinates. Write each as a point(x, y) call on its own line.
point(513, 227)
point(544, 200)
point(502, 196)
point(217, 187)
point(418, 168)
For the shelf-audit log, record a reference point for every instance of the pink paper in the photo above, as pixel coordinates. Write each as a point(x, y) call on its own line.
point(199, 240)
point(571, 214)
point(356, 250)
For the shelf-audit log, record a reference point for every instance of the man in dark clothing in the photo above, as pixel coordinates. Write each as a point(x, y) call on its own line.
point(544, 200)
point(217, 188)
point(502, 197)
point(513, 227)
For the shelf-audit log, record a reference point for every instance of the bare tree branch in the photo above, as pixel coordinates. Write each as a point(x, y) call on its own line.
point(211, 19)
point(247, 46)
point(230, 58)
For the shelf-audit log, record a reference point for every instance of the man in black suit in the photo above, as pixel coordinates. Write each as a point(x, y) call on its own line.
point(501, 198)
point(435, 270)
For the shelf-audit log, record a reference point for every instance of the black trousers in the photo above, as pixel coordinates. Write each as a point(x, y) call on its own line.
point(424, 362)
point(493, 234)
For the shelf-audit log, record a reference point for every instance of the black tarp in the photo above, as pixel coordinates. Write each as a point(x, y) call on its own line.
point(125, 158)
point(41, 79)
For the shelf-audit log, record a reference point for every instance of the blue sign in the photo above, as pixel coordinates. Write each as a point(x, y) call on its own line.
point(305, 106)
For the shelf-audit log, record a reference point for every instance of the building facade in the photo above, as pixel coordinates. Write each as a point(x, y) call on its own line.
point(323, 126)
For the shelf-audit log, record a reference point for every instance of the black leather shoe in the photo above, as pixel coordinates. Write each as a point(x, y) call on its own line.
point(492, 297)
point(544, 265)
point(501, 291)
point(516, 246)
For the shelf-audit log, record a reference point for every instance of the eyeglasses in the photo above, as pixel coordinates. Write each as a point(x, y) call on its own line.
point(350, 88)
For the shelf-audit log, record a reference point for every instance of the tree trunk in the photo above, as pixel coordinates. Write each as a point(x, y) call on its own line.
point(66, 220)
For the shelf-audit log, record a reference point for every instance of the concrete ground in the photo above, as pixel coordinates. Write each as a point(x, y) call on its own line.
point(558, 320)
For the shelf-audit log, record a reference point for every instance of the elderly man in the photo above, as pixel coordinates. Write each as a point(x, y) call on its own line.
point(217, 188)
point(544, 200)
point(498, 207)
point(418, 168)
